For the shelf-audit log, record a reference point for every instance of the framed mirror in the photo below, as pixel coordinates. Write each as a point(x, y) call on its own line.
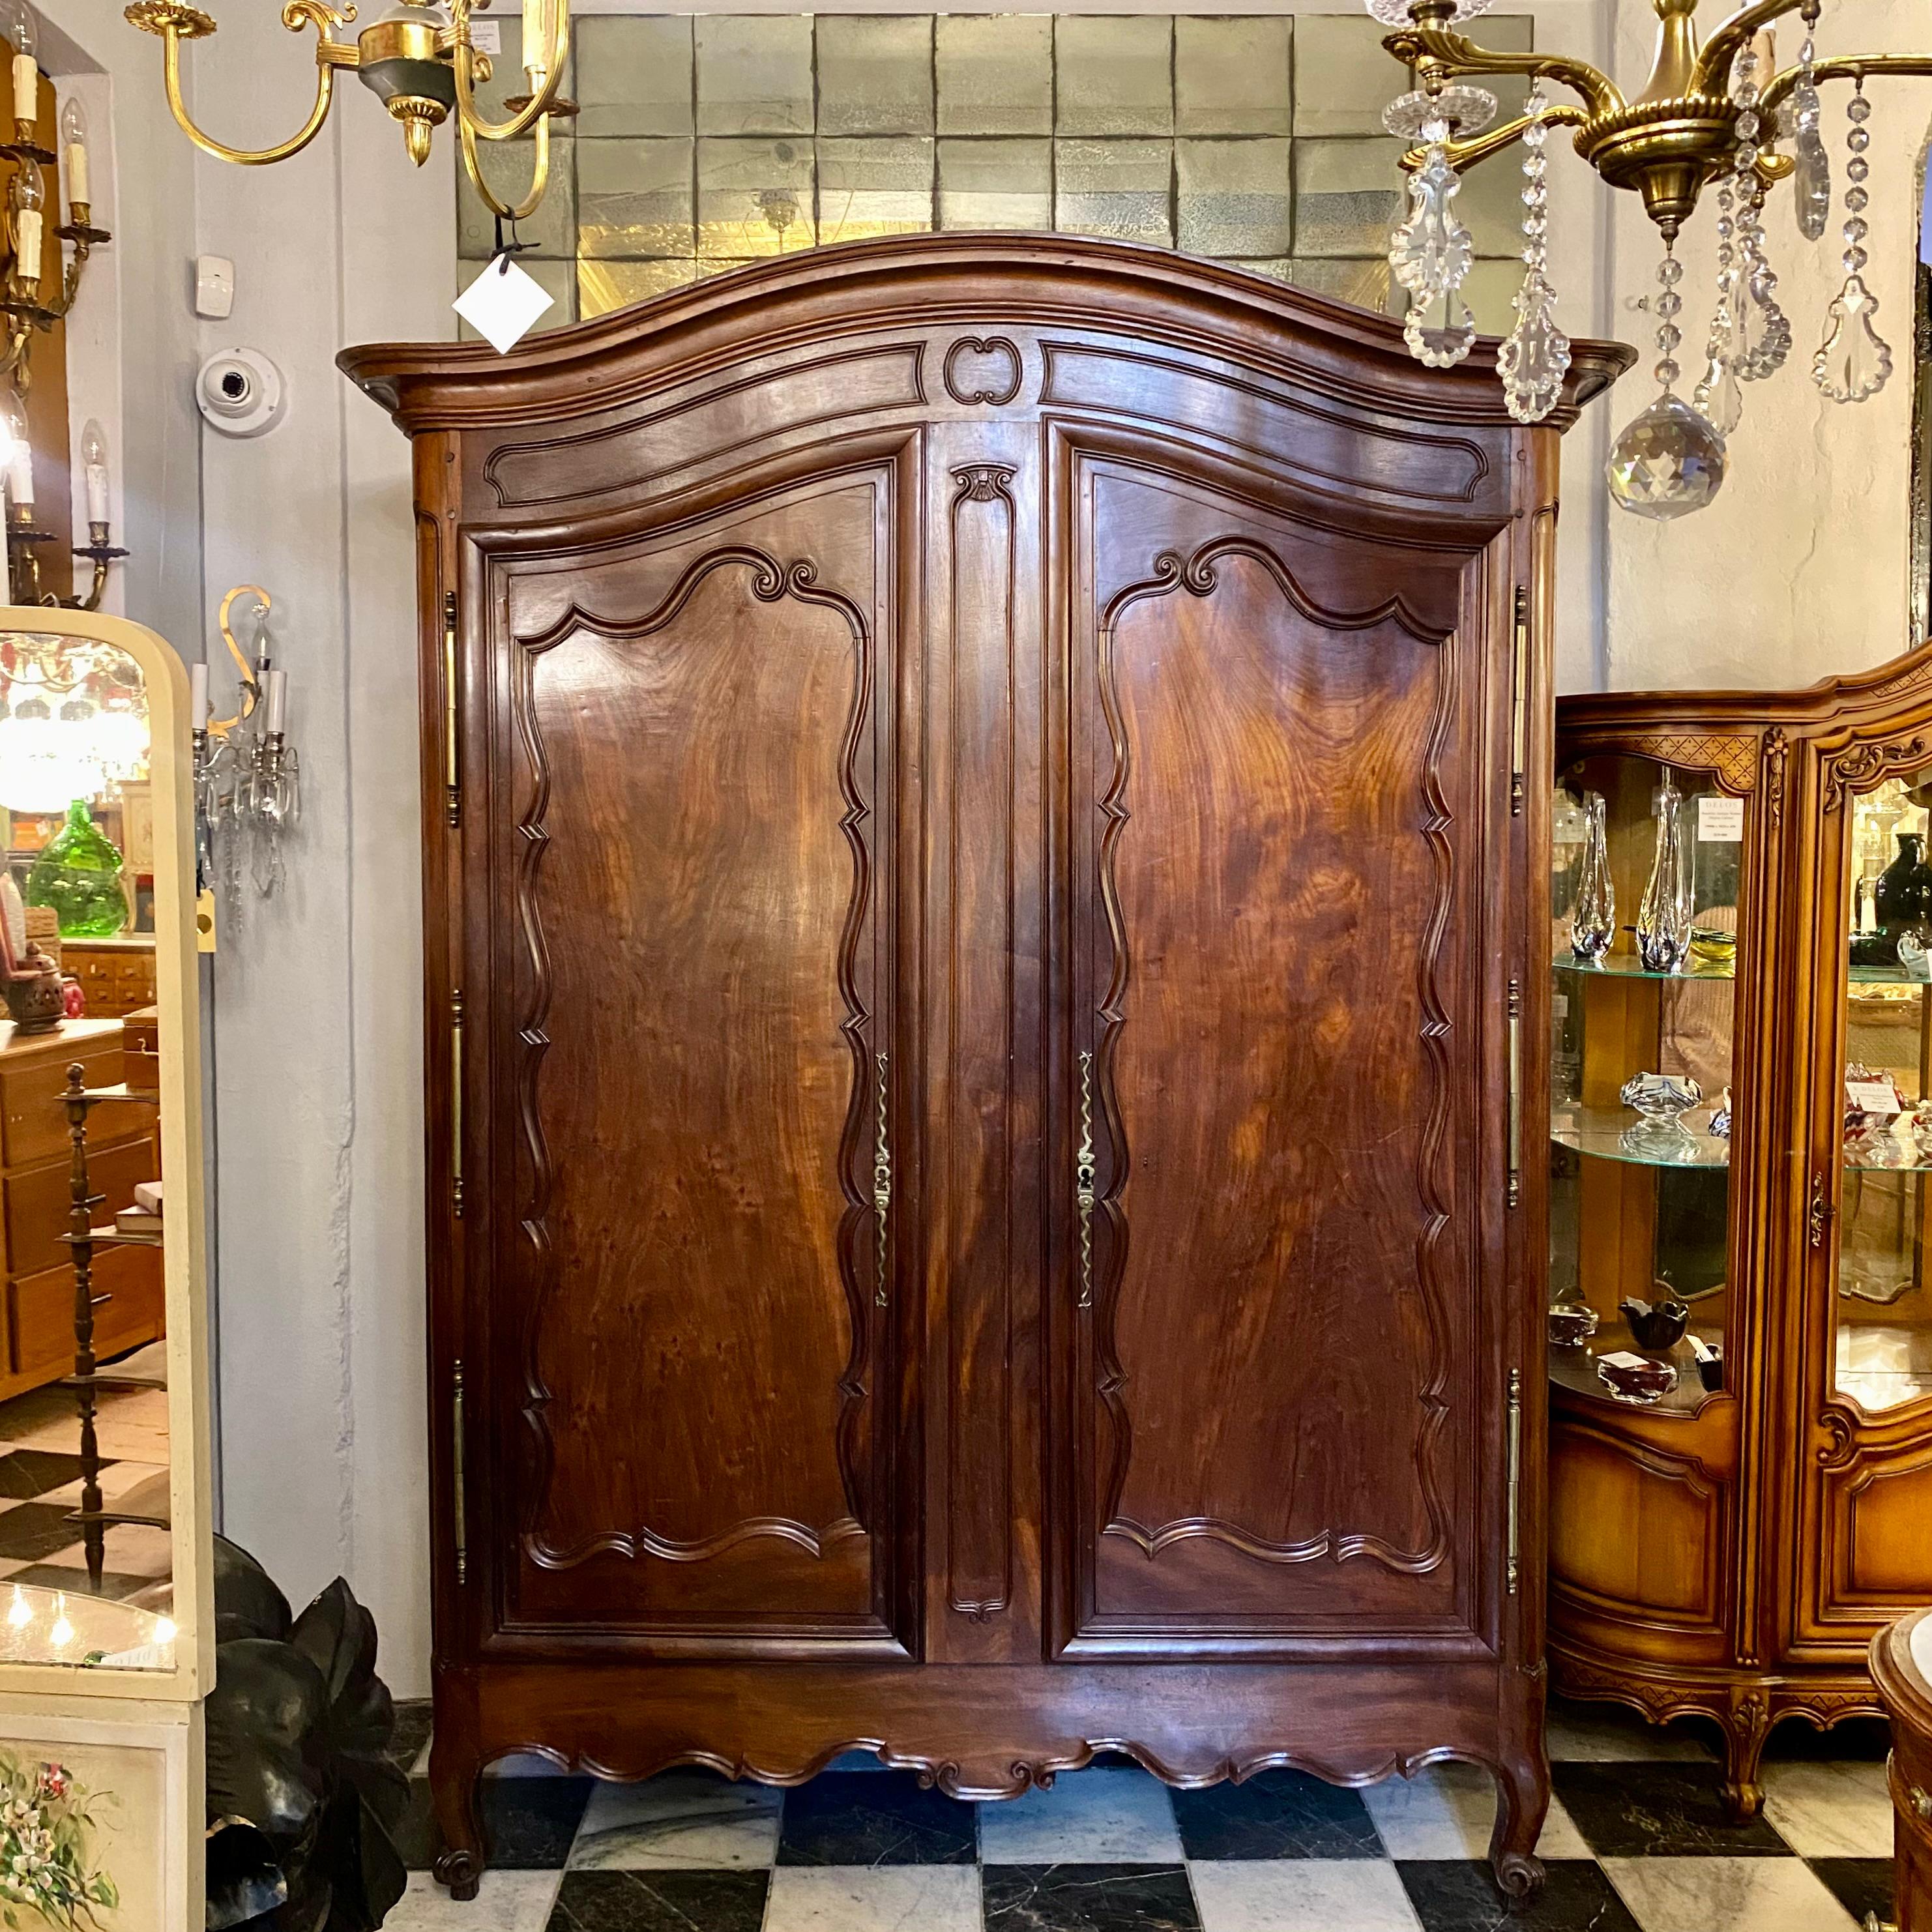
point(105, 1550)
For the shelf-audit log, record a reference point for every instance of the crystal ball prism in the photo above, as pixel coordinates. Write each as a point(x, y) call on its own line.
point(1668, 462)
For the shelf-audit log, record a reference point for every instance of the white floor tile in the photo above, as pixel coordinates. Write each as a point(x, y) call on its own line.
point(1608, 1733)
point(506, 1902)
point(1108, 1815)
point(1448, 1810)
point(683, 1818)
point(1300, 1895)
point(1768, 1895)
point(1830, 1811)
point(873, 1898)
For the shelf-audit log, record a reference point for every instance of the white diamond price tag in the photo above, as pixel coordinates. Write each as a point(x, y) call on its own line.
point(501, 303)
point(486, 36)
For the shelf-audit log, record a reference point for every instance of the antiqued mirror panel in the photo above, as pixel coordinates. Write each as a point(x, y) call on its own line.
point(87, 1563)
point(1644, 944)
point(1881, 1335)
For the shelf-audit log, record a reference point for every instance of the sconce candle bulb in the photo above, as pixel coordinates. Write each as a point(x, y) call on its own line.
point(73, 138)
point(94, 461)
point(17, 23)
point(18, 458)
point(29, 197)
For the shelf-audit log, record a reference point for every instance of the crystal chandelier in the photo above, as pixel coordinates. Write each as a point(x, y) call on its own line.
point(418, 60)
point(1707, 117)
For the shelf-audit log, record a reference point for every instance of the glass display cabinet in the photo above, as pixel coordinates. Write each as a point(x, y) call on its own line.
point(1740, 1217)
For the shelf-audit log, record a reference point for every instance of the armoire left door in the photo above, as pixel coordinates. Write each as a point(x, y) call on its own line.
point(677, 1011)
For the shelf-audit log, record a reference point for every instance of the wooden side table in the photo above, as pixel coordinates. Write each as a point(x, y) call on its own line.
point(1901, 1665)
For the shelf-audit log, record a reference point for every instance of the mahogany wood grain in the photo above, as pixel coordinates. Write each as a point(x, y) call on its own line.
point(980, 652)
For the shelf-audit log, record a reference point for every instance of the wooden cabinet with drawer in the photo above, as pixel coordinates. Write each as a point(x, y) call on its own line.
point(34, 1198)
point(117, 975)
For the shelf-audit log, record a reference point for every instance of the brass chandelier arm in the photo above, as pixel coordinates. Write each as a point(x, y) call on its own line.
point(539, 181)
point(1463, 155)
point(475, 124)
point(1852, 67)
point(1432, 51)
point(175, 23)
point(1712, 73)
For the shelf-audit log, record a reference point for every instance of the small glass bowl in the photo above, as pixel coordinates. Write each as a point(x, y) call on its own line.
point(1571, 1324)
point(1636, 1379)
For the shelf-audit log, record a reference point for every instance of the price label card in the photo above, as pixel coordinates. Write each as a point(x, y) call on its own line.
point(1872, 1097)
point(501, 303)
point(1721, 821)
point(1559, 1007)
point(486, 36)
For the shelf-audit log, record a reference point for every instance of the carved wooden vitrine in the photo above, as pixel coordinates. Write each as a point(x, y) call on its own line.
point(1732, 1549)
point(985, 881)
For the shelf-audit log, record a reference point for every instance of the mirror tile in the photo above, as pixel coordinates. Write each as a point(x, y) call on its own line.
point(994, 73)
point(754, 73)
point(1233, 76)
point(1124, 190)
point(507, 78)
point(506, 165)
point(603, 285)
point(875, 73)
point(755, 198)
point(1235, 197)
point(633, 73)
point(1366, 284)
point(1343, 78)
point(995, 184)
point(634, 198)
point(1114, 74)
point(880, 186)
point(1348, 195)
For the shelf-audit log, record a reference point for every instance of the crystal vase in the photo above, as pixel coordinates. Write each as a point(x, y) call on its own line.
point(1593, 914)
point(1663, 918)
point(78, 873)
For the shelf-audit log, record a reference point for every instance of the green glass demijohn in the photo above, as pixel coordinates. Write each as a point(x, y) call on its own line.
point(79, 875)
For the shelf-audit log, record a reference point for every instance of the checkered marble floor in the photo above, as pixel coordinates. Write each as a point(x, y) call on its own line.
point(1636, 1841)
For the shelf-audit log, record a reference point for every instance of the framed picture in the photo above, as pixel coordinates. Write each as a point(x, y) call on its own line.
point(100, 1816)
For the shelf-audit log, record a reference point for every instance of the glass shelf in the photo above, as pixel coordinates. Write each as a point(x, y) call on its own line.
point(1883, 1365)
point(1576, 1368)
point(1626, 966)
point(1600, 1131)
point(1884, 976)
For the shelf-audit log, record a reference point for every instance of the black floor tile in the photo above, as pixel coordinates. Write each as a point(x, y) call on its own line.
point(660, 1901)
point(412, 1733)
point(114, 1587)
point(1859, 1884)
point(1857, 1740)
point(1459, 1895)
point(32, 1472)
point(874, 1818)
point(530, 1823)
point(30, 1530)
point(1276, 1814)
point(1658, 1811)
point(1087, 1898)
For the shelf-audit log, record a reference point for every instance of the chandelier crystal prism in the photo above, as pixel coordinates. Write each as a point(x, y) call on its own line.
point(1706, 117)
point(419, 60)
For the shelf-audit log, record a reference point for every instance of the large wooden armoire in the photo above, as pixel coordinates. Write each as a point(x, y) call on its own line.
point(984, 807)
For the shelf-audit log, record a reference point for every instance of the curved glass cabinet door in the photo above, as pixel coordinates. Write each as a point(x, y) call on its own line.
point(1643, 1168)
point(1882, 1341)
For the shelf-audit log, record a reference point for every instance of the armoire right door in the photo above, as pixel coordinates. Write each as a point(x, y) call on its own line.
point(1284, 993)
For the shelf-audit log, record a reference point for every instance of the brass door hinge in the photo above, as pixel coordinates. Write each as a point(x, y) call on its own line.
point(1519, 701)
point(1514, 1192)
point(456, 1487)
point(1514, 1571)
point(452, 768)
point(456, 1101)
